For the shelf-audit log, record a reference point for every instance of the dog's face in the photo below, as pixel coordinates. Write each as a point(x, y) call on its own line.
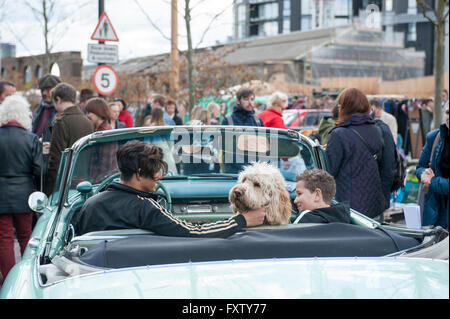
point(250, 193)
point(262, 185)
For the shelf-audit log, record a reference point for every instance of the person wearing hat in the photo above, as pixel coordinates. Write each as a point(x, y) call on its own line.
point(44, 116)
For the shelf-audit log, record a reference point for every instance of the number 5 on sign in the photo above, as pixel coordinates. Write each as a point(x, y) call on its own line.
point(105, 80)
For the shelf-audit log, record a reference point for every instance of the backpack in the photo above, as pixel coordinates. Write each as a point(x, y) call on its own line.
point(256, 117)
point(400, 172)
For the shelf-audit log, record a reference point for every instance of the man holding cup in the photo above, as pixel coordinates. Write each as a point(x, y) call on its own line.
point(44, 117)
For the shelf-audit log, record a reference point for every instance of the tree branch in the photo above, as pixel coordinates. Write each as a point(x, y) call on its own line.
point(424, 7)
point(151, 22)
point(211, 22)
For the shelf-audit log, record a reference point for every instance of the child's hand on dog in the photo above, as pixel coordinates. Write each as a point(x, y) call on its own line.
point(255, 217)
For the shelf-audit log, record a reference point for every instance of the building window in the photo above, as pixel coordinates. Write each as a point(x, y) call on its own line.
point(306, 7)
point(269, 28)
point(241, 21)
point(286, 24)
point(268, 11)
point(389, 5)
point(306, 18)
point(286, 7)
point(306, 22)
point(412, 7)
point(286, 16)
point(342, 7)
point(412, 32)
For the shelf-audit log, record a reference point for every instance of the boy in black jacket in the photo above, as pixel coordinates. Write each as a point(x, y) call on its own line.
point(315, 190)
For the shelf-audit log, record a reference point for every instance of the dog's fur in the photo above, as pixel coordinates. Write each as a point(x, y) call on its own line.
point(270, 193)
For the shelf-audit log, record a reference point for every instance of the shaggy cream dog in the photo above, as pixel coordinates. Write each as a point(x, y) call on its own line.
point(262, 184)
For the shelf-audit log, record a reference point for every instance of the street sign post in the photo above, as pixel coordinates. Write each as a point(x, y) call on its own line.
point(104, 30)
point(102, 53)
point(105, 79)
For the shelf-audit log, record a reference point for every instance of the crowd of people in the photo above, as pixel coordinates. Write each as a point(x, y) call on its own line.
point(359, 140)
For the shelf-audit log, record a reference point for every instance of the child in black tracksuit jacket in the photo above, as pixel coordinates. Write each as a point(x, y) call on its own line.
point(315, 190)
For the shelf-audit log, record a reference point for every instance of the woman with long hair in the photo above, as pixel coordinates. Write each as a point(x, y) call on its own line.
point(156, 118)
point(200, 116)
point(104, 159)
point(21, 166)
point(354, 154)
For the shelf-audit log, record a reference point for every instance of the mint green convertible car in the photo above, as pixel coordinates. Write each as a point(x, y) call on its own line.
point(364, 259)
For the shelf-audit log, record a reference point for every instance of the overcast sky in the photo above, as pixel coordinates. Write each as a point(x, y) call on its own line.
point(77, 20)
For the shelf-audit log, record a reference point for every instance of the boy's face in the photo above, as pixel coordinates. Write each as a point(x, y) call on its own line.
point(305, 199)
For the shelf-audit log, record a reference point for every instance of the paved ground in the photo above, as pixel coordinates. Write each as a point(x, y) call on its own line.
point(17, 250)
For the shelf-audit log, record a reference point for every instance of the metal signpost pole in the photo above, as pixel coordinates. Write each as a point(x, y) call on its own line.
point(101, 9)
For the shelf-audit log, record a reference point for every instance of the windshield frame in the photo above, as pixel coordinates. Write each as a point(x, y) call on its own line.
point(142, 132)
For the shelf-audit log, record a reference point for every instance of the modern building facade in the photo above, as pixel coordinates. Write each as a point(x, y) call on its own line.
point(262, 18)
point(7, 50)
point(259, 18)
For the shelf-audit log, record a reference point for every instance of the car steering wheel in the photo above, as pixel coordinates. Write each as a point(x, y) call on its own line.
point(159, 185)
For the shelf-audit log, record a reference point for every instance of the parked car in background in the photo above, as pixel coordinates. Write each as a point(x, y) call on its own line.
point(363, 259)
point(306, 121)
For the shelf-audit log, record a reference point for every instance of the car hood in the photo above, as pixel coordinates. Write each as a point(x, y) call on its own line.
point(282, 278)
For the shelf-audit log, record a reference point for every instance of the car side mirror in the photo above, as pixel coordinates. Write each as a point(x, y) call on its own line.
point(85, 189)
point(37, 201)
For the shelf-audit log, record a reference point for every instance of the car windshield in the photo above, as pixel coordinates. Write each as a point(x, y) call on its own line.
point(309, 119)
point(196, 153)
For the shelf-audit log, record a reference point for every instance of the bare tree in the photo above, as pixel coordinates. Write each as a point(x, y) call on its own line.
point(189, 7)
point(438, 22)
point(190, 65)
point(51, 19)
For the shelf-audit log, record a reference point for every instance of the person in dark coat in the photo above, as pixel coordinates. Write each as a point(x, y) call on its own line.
point(436, 175)
point(400, 111)
point(6, 89)
point(387, 165)
point(21, 155)
point(44, 116)
point(171, 109)
point(243, 111)
point(354, 154)
point(70, 126)
point(315, 190)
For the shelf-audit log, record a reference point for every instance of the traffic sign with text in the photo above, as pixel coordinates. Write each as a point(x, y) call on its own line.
point(102, 53)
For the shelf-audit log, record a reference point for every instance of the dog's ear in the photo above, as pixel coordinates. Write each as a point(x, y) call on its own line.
point(286, 206)
point(278, 212)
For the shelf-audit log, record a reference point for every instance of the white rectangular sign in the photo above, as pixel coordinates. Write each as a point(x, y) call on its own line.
point(102, 53)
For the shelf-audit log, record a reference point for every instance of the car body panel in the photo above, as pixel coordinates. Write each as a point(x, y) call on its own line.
point(377, 277)
point(283, 278)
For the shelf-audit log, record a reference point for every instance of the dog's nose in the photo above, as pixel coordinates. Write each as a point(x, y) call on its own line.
point(237, 193)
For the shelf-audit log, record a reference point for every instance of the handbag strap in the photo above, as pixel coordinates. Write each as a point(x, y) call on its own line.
point(436, 140)
point(374, 155)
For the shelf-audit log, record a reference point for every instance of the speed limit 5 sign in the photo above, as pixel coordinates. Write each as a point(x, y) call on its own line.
point(105, 79)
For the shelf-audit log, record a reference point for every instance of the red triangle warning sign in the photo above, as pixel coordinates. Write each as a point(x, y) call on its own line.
point(104, 30)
